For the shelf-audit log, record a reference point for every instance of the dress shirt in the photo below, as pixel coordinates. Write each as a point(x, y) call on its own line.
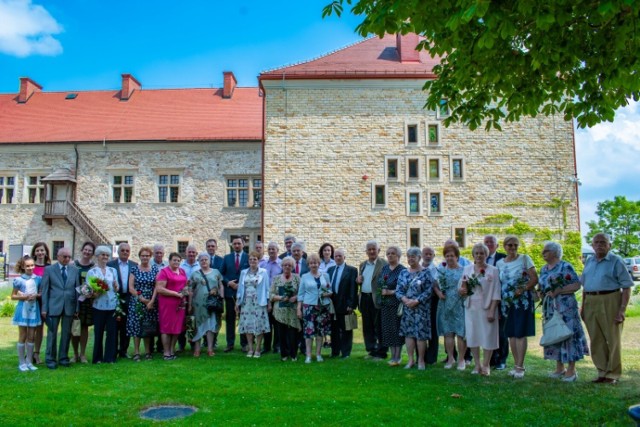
point(608, 274)
point(367, 275)
point(272, 267)
point(189, 269)
point(160, 265)
point(337, 275)
point(463, 262)
point(124, 275)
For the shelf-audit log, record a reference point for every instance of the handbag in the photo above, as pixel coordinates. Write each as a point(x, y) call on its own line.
point(350, 322)
point(554, 330)
point(214, 303)
point(400, 310)
point(148, 328)
point(76, 327)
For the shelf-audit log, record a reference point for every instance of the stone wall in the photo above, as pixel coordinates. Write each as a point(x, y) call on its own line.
point(325, 148)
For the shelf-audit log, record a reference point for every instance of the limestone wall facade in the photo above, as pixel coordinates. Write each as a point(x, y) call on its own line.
point(327, 145)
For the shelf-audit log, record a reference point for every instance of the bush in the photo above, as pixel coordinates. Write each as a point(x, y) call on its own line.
point(7, 307)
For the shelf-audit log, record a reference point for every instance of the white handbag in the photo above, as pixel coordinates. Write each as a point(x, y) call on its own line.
point(554, 330)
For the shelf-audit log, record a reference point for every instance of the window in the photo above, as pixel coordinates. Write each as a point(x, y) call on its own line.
point(412, 168)
point(379, 196)
point(410, 133)
point(122, 188)
point(457, 169)
point(55, 247)
point(414, 237)
point(443, 109)
point(433, 134)
point(35, 189)
point(244, 192)
point(434, 169)
point(392, 172)
point(7, 189)
point(414, 202)
point(435, 203)
point(182, 247)
point(1, 246)
point(460, 236)
point(169, 188)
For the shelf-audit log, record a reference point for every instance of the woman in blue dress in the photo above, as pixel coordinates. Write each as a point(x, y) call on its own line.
point(26, 290)
point(389, 305)
point(415, 285)
point(450, 316)
point(559, 283)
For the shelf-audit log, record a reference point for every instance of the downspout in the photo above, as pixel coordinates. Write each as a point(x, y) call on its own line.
point(75, 195)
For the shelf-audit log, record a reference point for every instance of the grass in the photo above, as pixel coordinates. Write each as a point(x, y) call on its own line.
point(234, 390)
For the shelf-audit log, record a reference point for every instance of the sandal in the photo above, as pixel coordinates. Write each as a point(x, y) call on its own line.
point(136, 357)
point(249, 353)
point(36, 358)
point(83, 359)
point(211, 353)
point(148, 356)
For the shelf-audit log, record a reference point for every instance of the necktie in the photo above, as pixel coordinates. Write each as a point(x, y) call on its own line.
point(237, 261)
point(64, 274)
point(297, 267)
point(334, 281)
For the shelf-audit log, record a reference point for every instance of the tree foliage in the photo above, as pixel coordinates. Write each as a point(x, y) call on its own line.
point(620, 219)
point(501, 60)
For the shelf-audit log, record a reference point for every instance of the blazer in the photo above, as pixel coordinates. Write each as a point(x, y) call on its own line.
point(377, 269)
point(262, 290)
point(216, 262)
point(498, 257)
point(114, 263)
point(304, 267)
point(308, 292)
point(59, 297)
point(491, 289)
point(347, 295)
point(229, 272)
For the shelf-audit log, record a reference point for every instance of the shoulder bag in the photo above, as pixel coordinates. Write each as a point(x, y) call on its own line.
point(214, 303)
point(554, 330)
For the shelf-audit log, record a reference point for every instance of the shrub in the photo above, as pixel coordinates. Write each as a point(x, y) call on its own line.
point(7, 307)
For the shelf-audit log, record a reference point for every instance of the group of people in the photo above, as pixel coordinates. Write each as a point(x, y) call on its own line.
point(483, 308)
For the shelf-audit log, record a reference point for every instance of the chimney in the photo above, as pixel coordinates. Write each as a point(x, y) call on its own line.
point(230, 83)
point(406, 46)
point(27, 88)
point(129, 84)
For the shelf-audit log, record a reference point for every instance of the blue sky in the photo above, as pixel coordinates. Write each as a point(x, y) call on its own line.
point(82, 45)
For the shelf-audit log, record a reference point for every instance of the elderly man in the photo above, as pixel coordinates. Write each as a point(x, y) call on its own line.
point(297, 252)
point(215, 260)
point(345, 300)
point(232, 265)
point(123, 266)
point(272, 265)
point(368, 280)
point(158, 257)
point(499, 357)
point(59, 304)
point(606, 289)
point(190, 263)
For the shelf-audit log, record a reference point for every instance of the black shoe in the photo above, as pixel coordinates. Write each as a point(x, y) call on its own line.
point(52, 366)
point(228, 349)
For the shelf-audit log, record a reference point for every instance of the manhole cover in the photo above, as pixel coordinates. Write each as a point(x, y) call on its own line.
point(167, 412)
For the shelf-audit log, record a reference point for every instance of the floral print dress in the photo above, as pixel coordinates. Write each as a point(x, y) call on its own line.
point(416, 322)
point(144, 284)
point(450, 316)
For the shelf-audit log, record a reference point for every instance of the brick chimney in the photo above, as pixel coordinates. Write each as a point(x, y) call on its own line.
point(230, 83)
point(129, 84)
point(27, 88)
point(406, 46)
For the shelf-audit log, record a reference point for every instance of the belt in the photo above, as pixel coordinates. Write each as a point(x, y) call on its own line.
point(602, 292)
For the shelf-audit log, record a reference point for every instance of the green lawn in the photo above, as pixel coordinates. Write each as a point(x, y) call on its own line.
point(234, 390)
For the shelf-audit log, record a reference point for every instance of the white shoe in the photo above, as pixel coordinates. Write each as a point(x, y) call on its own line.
point(571, 379)
point(31, 367)
point(307, 360)
point(319, 358)
point(23, 367)
point(556, 374)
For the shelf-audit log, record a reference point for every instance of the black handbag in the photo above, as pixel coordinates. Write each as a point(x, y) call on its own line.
point(214, 303)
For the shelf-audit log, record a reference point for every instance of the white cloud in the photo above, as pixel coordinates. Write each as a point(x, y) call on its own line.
point(27, 29)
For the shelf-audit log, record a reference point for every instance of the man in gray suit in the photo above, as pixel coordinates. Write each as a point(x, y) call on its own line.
point(368, 277)
point(59, 304)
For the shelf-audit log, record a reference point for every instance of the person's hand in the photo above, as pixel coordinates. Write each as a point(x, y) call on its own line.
point(293, 299)
point(150, 305)
point(269, 307)
point(550, 294)
point(463, 289)
point(441, 295)
point(233, 284)
point(619, 317)
point(237, 309)
point(359, 280)
point(299, 313)
point(349, 310)
point(43, 314)
point(491, 317)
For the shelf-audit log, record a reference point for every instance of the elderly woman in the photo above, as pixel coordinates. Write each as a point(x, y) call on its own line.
point(314, 301)
point(283, 295)
point(42, 257)
point(559, 283)
point(172, 293)
point(142, 282)
point(252, 303)
point(518, 277)
point(104, 306)
point(204, 282)
point(450, 315)
point(389, 319)
point(480, 286)
point(414, 290)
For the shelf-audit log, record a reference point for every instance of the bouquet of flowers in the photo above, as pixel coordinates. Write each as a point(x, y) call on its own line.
point(382, 285)
point(139, 307)
point(323, 289)
point(94, 287)
point(287, 292)
point(185, 292)
point(559, 281)
point(473, 282)
point(119, 314)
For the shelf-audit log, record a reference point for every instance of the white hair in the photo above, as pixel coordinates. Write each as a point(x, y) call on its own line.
point(372, 243)
point(553, 247)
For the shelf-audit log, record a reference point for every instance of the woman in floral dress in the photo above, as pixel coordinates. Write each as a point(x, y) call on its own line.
point(389, 305)
point(252, 303)
point(415, 286)
point(142, 282)
point(450, 316)
point(559, 283)
point(284, 297)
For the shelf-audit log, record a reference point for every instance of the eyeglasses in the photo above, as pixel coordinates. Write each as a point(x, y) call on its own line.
point(511, 245)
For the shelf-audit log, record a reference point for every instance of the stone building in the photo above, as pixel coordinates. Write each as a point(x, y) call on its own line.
point(143, 166)
point(350, 154)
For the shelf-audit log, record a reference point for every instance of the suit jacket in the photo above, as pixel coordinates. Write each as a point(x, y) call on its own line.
point(304, 267)
point(347, 295)
point(114, 264)
point(229, 271)
point(59, 297)
point(216, 262)
point(286, 254)
point(497, 258)
point(377, 269)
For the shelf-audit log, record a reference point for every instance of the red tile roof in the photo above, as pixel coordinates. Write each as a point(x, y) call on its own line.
point(371, 58)
point(149, 115)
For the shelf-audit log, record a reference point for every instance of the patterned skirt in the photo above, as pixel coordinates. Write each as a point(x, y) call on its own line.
point(316, 321)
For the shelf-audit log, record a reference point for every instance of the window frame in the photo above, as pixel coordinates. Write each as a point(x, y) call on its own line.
point(374, 204)
point(408, 193)
point(463, 168)
point(419, 229)
point(397, 159)
point(123, 174)
point(169, 173)
point(441, 200)
point(39, 186)
point(407, 124)
point(438, 142)
point(4, 186)
point(454, 228)
point(428, 169)
point(250, 188)
point(418, 168)
point(439, 113)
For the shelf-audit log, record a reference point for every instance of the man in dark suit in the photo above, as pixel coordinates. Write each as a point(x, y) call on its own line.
point(499, 357)
point(297, 252)
point(369, 274)
point(343, 285)
point(59, 304)
point(123, 267)
point(232, 265)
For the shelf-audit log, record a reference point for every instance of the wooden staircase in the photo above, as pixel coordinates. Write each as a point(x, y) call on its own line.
point(65, 209)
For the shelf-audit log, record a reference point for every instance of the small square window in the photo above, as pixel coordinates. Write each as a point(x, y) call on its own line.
point(434, 169)
point(443, 109)
point(244, 192)
point(379, 195)
point(182, 247)
point(457, 169)
point(122, 189)
point(460, 236)
point(413, 169)
point(169, 188)
point(35, 189)
point(435, 203)
point(433, 134)
point(56, 246)
point(414, 237)
point(7, 189)
point(412, 134)
point(392, 169)
point(414, 204)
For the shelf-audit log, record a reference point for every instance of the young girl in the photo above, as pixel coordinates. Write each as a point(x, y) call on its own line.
point(26, 290)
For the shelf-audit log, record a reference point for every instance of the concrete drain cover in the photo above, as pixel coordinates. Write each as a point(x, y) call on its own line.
point(167, 412)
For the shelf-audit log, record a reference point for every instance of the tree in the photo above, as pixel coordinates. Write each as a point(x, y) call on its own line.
point(501, 60)
point(620, 219)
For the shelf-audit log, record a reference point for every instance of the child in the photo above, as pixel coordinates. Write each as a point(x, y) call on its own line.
point(26, 290)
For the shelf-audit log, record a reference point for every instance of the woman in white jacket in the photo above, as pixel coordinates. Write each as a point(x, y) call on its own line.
point(252, 304)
